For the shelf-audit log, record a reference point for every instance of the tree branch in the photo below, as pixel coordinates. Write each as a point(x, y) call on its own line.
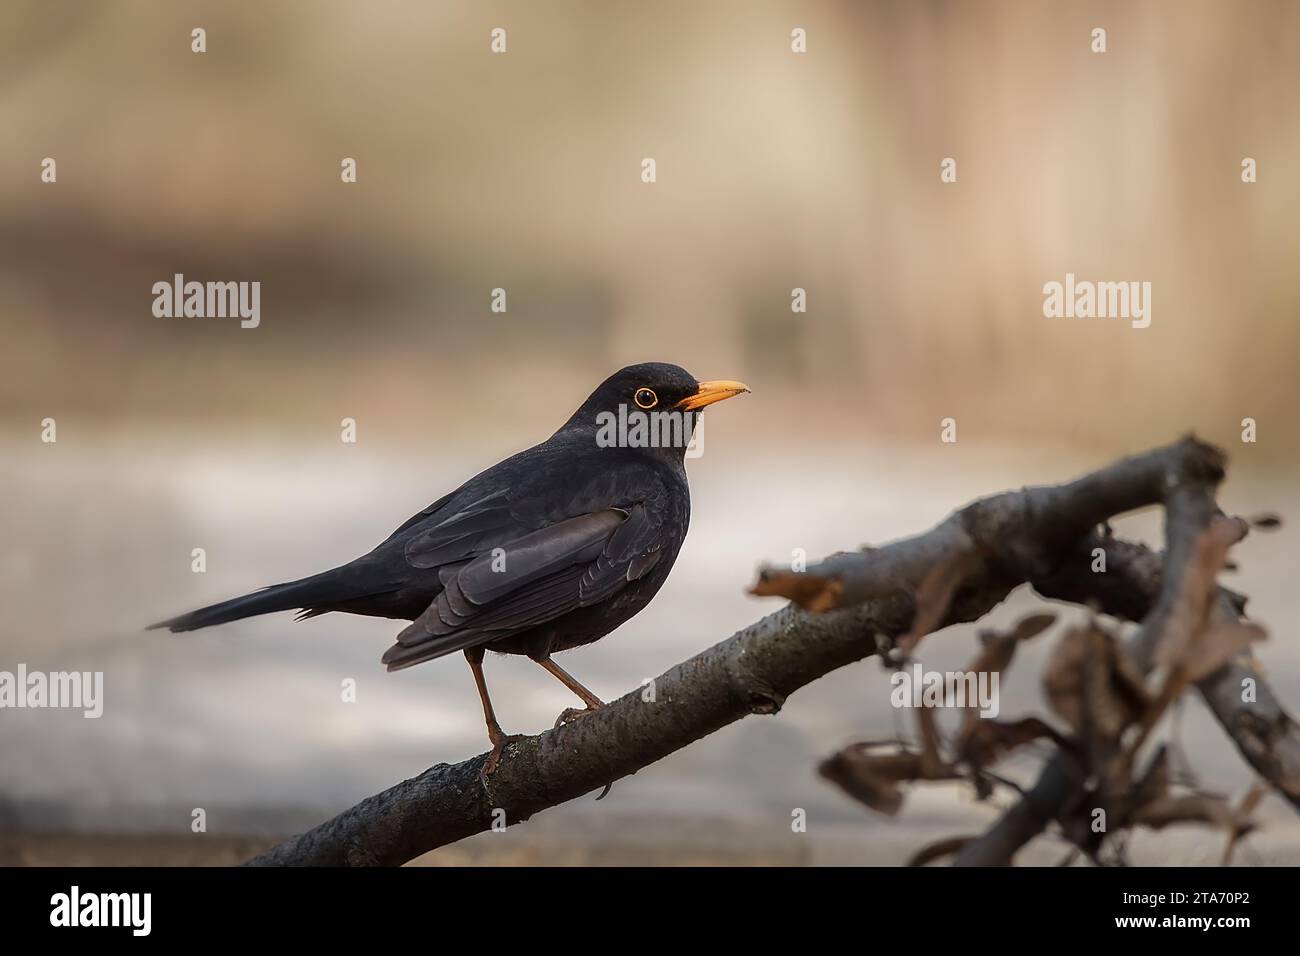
point(750, 673)
point(1011, 538)
point(1136, 587)
point(1265, 734)
point(1018, 535)
point(1045, 535)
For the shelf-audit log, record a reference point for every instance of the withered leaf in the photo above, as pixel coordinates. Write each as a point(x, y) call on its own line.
point(814, 593)
point(1187, 617)
point(1090, 679)
point(931, 762)
point(999, 649)
point(1218, 645)
point(872, 778)
point(1188, 808)
point(1245, 810)
point(996, 655)
point(985, 742)
point(935, 593)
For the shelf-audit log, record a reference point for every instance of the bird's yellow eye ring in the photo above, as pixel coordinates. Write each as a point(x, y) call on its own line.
point(646, 398)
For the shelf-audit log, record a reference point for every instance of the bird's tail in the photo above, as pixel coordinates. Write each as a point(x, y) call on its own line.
point(319, 589)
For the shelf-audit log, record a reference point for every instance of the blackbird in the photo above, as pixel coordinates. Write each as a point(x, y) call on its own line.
point(551, 549)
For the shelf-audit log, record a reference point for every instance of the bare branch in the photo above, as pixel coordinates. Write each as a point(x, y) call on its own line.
point(750, 673)
point(1019, 534)
point(1135, 586)
point(1032, 535)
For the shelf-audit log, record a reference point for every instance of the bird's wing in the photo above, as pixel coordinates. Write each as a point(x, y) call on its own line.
point(421, 515)
point(525, 582)
point(469, 528)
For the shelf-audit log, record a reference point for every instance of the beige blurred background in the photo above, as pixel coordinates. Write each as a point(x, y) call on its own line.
point(522, 171)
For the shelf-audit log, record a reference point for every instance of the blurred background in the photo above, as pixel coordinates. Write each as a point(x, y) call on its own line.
point(522, 171)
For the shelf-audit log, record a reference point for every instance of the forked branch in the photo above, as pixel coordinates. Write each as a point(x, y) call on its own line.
point(857, 604)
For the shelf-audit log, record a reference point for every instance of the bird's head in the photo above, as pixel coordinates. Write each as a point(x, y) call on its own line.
point(654, 405)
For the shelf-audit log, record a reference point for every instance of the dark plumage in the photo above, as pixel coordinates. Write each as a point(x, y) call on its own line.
point(548, 550)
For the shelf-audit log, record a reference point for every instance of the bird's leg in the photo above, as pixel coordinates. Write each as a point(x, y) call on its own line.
point(591, 700)
point(496, 735)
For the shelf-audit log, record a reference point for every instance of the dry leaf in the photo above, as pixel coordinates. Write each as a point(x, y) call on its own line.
point(1089, 681)
point(814, 593)
point(988, 741)
point(997, 653)
point(935, 594)
point(1114, 696)
point(1196, 592)
point(872, 778)
point(1063, 676)
point(1245, 810)
point(1218, 645)
point(932, 763)
point(999, 649)
point(1190, 808)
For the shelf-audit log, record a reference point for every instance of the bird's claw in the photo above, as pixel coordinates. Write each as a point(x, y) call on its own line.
point(498, 748)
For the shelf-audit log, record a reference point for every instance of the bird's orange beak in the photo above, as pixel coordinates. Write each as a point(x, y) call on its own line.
point(710, 392)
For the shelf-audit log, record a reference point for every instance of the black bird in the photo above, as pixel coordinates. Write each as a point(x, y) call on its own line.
point(551, 549)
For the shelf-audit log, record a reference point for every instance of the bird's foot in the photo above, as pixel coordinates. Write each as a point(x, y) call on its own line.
point(499, 744)
point(573, 713)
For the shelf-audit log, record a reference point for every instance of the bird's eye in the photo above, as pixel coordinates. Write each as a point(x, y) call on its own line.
point(646, 398)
